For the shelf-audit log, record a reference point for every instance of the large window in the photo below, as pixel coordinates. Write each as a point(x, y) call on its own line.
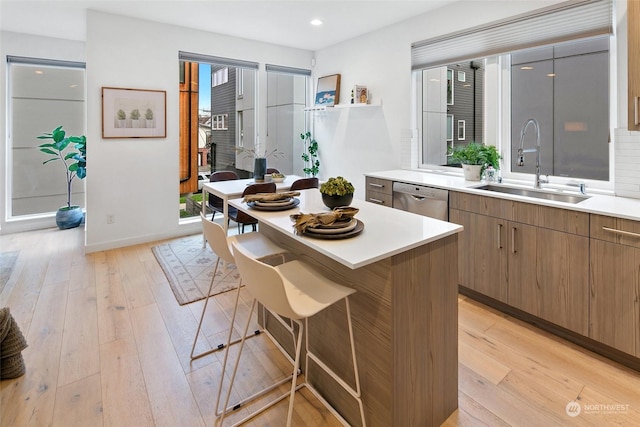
point(43, 94)
point(550, 64)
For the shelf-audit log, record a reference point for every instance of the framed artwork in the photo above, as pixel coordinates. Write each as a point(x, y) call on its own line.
point(328, 91)
point(360, 94)
point(134, 113)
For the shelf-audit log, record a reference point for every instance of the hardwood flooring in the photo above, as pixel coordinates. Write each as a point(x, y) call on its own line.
point(109, 346)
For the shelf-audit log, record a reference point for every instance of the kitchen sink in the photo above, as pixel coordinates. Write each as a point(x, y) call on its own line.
point(538, 194)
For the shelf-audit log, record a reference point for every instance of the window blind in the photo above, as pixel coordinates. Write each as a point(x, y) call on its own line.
point(44, 62)
point(565, 21)
point(287, 70)
point(207, 59)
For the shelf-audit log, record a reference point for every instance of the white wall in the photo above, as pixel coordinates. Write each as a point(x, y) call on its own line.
point(26, 45)
point(136, 180)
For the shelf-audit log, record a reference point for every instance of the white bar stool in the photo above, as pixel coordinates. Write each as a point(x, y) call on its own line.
point(256, 244)
point(296, 291)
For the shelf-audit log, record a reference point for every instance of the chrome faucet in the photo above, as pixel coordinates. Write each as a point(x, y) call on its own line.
point(521, 151)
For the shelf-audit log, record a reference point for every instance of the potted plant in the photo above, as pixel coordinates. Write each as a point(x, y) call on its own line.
point(135, 118)
point(75, 165)
point(310, 155)
point(260, 160)
point(475, 157)
point(122, 117)
point(149, 116)
point(336, 192)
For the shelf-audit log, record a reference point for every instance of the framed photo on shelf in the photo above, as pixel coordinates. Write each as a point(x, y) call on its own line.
point(328, 91)
point(360, 95)
point(134, 113)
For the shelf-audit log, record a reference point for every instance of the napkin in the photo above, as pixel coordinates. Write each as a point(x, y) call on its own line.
point(312, 220)
point(270, 197)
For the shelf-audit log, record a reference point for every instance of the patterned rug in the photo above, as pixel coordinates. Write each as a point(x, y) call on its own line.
point(7, 262)
point(188, 267)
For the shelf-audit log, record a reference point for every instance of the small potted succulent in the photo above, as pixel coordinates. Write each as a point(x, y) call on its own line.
point(135, 118)
point(122, 117)
point(337, 192)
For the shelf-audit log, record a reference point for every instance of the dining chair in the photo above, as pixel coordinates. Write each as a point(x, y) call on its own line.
point(304, 183)
point(215, 202)
point(259, 246)
point(295, 291)
point(242, 218)
point(272, 170)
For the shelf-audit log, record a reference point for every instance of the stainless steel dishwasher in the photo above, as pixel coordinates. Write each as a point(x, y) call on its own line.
point(427, 201)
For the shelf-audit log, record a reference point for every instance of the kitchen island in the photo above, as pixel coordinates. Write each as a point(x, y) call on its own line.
point(405, 269)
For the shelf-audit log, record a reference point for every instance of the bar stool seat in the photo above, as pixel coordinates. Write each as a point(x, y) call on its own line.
point(255, 244)
point(296, 291)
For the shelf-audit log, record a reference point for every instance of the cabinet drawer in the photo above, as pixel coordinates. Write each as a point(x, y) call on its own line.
point(615, 230)
point(378, 185)
point(379, 198)
point(510, 210)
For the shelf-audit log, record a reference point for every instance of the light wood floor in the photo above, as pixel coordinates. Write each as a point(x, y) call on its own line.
point(109, 346)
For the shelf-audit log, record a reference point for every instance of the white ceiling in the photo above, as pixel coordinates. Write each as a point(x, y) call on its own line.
point(281, 22)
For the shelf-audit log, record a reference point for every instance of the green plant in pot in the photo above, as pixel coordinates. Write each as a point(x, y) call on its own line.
point(337, 192)
point(75, 166)
point(475, 157)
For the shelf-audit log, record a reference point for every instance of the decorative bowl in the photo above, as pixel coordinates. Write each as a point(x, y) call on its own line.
point(335, 201)
point(277, 177)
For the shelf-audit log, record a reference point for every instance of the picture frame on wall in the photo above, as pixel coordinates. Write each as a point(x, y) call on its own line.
point(328, 91)
point(360, 94)
point(134, 113)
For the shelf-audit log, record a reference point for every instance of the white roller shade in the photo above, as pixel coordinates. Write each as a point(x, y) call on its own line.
point(208, 59)
point(566, 21)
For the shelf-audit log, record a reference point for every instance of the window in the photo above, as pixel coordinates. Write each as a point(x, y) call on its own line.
point(43, 94)
point(220, 122)
point(556, 76)
point(220, 77)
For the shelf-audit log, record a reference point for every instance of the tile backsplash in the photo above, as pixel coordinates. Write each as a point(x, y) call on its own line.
point(627, 163)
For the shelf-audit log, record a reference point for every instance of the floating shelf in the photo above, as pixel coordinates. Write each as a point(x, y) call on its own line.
point(339, 106)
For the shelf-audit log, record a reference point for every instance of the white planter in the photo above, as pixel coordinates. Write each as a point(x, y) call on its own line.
point(472, 172)
point(150, 123)
point(135, 123)
point(122, 123)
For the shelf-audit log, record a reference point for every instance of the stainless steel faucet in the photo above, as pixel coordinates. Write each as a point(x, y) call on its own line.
point(521, 151)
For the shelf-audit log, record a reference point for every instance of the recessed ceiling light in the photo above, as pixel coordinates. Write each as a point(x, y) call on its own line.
point(39, 72)
point(73, 85)
point(316, 22)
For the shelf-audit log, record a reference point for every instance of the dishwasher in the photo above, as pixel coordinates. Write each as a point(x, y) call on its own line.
point(427, 201)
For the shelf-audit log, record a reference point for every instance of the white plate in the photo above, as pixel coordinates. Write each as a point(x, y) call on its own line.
point(332, 229)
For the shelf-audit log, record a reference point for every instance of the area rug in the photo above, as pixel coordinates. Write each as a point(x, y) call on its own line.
point(189, 268)
point(7, 262)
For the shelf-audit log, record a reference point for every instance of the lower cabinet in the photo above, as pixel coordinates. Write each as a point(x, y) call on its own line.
point(530, 257)
point(615, 283)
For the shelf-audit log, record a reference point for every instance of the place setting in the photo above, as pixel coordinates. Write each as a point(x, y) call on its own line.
point(340, 223)
point(272, 201)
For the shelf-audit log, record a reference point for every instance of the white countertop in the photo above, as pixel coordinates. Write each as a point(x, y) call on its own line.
point(621, 207)
point(387, 232)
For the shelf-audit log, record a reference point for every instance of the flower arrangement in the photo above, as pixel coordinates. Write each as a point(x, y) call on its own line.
point(337, 186)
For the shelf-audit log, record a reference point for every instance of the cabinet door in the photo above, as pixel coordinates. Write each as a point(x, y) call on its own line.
point(615, 290)
point(523, 288)
point(563, 279)
point(482, 250)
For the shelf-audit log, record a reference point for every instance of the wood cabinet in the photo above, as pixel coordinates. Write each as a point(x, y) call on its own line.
point(633, 52)
point(615, 283)
point(534, 258)
point(379, 191)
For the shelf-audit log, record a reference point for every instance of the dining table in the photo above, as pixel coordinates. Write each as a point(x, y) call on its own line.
point(404, 268)
point(231, 189)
